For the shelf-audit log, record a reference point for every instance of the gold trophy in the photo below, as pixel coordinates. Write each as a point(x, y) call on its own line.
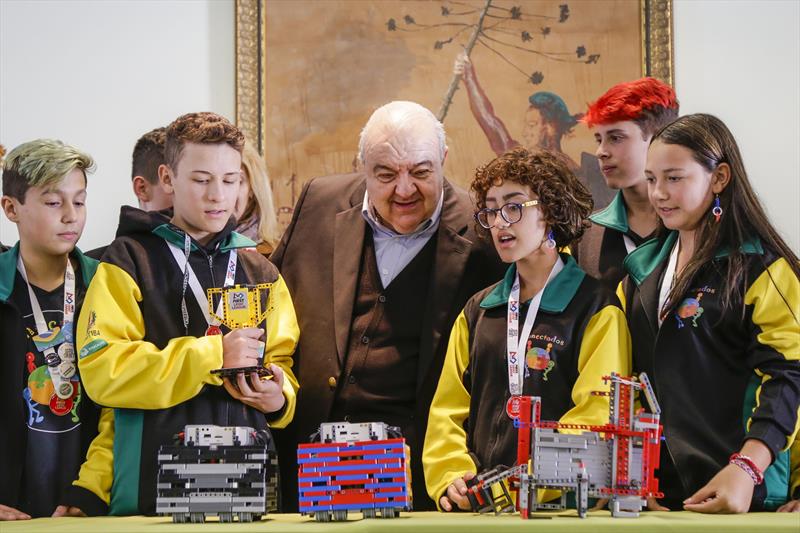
point(243, 306)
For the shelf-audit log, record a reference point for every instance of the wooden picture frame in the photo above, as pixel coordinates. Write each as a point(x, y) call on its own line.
point(262, 74)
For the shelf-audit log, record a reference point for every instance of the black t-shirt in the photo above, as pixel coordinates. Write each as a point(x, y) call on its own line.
point(53, 451)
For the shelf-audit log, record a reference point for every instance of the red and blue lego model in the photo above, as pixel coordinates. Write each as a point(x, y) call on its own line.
point(355, 467)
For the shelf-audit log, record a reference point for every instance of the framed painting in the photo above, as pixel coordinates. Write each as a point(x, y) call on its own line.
point(310, 72)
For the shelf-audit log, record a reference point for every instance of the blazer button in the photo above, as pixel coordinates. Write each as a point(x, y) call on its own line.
point(332, 382)
point(382, 298)
point(364, 340)
point(351, 379)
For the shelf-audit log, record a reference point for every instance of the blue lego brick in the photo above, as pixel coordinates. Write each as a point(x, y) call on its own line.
point(353, 477)
point(313, 479)
point(325, 449)
point(343, 467)
point(382, 446)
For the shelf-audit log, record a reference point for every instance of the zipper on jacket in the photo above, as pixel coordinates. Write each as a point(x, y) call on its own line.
point(664, 433)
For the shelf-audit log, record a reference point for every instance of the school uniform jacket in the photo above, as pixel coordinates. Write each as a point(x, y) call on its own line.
point(601, 250)
point(13, 437)
point(579, 336)
point(136, 356)
point(720, 377)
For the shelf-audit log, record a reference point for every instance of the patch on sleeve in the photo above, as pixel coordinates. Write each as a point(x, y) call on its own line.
point(92, 347)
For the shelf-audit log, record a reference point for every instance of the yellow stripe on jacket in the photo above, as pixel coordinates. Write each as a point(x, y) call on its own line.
point(775, 298)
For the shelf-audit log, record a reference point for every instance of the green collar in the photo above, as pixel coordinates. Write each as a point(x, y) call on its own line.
point(641, 262)
point(8, 269)
point(557, 294)
point(234, 240)
point(614, 216)
point(751, 246)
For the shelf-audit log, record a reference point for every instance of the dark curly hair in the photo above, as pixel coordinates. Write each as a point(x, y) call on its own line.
point(564, 201)
point(203, 128)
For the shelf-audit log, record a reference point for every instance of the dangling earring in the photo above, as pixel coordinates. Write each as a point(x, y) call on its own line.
point(717, 210)
point(550, 242)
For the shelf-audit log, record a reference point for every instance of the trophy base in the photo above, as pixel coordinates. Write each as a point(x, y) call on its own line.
point(262, 371)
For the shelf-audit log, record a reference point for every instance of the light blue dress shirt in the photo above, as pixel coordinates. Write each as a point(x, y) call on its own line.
point(394, 251)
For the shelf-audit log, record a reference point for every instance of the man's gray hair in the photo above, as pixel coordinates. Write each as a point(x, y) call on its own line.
point(397, 115)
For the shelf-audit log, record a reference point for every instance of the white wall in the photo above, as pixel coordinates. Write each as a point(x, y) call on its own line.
point(740, 60)
point(98, 74)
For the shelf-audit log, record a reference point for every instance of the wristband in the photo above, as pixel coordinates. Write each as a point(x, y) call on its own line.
point(748, 465)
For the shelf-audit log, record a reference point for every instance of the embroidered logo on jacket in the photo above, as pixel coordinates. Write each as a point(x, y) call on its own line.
point(690, 308)
point(539, 359)
point(91, 330)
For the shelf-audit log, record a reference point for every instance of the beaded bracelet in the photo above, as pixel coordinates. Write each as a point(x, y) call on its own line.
point(748, 465)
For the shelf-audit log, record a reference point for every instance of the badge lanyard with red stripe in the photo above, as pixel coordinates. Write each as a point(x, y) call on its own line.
point(516, 340)
point(60, 358)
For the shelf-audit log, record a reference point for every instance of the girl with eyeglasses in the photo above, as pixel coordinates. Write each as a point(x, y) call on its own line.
point(713, 304)
point(547, 329)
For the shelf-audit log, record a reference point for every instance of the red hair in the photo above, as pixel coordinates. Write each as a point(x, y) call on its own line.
point(647, 101)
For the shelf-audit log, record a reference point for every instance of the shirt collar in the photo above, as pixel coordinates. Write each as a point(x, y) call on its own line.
point(377, 225)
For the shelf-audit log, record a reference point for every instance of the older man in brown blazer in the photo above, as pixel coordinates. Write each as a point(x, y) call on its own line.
point(379, 264)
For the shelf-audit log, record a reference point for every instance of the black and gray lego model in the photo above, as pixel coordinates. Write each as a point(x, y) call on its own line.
point(230, 472)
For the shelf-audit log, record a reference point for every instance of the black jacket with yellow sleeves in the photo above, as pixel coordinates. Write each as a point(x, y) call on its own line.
point(721, 377)
point(579, 336)
point(135, 355)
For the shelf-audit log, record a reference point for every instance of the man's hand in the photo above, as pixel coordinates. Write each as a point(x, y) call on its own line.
point(241, 347)
point(66, 510)
point(457, 494)
point(730, 491)
point(265, 395)
point(9, 513)
point(792, 506)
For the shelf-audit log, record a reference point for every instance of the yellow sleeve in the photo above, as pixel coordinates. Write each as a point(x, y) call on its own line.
point(445, 456)
point(118, 368)
point(605, 348)
point(621, 296)
point(283, 334)
point(775, 356)
point(97, 472)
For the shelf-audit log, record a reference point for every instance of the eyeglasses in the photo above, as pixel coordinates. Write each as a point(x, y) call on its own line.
point(511, 213)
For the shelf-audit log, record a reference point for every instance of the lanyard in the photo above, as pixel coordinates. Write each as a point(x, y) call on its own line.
point(666, 283)
point(61, 364)
point(515, 344)
point(190, 278)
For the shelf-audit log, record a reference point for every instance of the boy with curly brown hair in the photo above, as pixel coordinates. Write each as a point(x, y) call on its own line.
point(147, 345)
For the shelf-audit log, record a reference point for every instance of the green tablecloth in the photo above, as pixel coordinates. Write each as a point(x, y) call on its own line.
point(599, 521)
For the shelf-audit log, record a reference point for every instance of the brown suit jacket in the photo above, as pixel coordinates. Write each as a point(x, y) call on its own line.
point(319, 257)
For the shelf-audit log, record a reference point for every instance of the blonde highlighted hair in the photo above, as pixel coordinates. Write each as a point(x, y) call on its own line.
point(41, 163)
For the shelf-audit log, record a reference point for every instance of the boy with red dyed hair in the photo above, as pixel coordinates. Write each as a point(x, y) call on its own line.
point(624, 120)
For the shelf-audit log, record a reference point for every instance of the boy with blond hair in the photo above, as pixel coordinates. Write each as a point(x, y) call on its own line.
point(48, 422)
